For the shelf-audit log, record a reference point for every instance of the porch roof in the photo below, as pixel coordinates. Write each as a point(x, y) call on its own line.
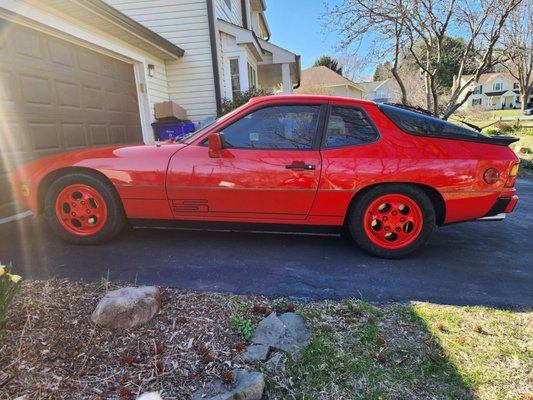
point(243, 36)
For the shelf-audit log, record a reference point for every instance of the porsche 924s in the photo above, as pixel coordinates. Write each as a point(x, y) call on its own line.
point(387, 174)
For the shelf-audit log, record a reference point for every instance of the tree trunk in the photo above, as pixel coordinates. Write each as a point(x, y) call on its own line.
point(523, 101)
point(428, 92)
point(401, 85)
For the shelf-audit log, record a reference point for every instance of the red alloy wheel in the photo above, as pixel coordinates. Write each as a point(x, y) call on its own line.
point(393, 221)
point(81, 210)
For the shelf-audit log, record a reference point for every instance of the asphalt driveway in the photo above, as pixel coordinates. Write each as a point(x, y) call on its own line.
point(473, 263)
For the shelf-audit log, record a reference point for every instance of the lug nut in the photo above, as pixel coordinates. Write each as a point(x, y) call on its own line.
point(394, 213)
point(398, 229)
point(402, 219)
point(387, 228)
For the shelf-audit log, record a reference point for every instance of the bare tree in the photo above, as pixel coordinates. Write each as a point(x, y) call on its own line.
point(351, 67)
point(420, 28)
point(517, 39)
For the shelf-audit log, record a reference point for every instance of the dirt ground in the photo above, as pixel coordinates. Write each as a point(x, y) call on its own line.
point(49, 349)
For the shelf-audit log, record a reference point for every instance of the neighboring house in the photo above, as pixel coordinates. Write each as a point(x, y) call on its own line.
point(381, 91)
point(84, 73)
point(494, 91)
point(322, 80)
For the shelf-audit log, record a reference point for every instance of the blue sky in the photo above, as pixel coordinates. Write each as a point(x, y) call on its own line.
point(295, 26)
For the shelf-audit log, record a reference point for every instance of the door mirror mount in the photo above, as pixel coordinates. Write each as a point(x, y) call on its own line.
point(215, 144)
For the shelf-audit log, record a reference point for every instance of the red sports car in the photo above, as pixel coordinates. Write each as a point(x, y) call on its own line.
point(388, 174)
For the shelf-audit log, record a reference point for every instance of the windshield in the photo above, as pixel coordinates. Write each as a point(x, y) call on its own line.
point(209, 124)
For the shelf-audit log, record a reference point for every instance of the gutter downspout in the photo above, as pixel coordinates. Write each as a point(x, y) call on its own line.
point(244, 14)
point(298, 69)
point(214, 54)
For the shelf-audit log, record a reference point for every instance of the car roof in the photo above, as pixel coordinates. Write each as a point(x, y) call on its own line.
point(296, 97)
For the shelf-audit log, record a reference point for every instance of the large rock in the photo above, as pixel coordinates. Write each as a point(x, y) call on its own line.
point(256, 352)
point(287, 332)
point(127, 307)
point(247, 386)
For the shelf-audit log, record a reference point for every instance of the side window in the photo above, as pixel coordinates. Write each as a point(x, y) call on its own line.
point(279, 127)
point(349, 126)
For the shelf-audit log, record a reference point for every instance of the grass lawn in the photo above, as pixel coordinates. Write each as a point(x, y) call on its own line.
point(416, 351)
point(505, 113)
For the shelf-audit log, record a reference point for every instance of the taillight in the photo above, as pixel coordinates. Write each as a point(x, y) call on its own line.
point(511, 179)
point(491, 175)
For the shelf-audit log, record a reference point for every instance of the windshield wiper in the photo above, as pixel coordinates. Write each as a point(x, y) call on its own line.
point(477, 128)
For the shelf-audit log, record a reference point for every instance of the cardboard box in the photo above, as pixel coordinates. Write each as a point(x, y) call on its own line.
point(169, 109)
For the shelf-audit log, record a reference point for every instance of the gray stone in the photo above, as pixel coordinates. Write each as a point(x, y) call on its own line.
point(269, 331)
point(287, 332)
point(256, 352)
point(127, 307)
point(276, 363)
point(247, 386)
point(296, 333)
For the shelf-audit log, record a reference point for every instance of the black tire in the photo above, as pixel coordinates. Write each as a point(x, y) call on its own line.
point(113, 223)
point(373, 239)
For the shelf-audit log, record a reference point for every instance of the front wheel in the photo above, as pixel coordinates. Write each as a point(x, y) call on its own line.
point(392, 221)
point(83, 209)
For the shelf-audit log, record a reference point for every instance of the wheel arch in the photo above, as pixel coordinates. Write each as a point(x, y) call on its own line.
point(433, 194)
point(51, 177)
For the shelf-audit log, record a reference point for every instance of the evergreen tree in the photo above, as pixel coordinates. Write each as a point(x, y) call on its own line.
point(383, 72)
point(330, 62)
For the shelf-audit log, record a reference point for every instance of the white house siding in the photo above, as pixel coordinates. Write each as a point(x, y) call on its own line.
point(233, 16)
point(190, 80)
point(157, 85)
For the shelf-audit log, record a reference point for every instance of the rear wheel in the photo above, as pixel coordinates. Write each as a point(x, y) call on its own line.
point(392, 221)
point(83, 209)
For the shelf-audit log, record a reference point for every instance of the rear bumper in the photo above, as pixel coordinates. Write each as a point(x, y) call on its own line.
point(502, 205)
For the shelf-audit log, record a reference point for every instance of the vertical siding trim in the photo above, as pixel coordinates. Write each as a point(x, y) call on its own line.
point(214, 57)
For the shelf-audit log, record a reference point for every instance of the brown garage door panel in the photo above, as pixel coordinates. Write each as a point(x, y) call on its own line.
point(56, 96)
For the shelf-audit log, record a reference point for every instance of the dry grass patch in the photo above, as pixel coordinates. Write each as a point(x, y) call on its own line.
point(491, 349)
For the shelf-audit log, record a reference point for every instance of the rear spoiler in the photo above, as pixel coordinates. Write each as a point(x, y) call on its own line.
point(504, 140)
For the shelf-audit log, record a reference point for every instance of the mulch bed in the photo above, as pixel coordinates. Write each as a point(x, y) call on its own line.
point(49, 348)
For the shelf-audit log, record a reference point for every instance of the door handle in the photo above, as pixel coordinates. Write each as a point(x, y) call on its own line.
point(301, 166)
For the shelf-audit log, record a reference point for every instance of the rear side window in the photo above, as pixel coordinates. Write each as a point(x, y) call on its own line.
point(424, 125)
point(349, 126)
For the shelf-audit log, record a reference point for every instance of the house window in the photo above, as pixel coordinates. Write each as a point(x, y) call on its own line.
point(252, 77)
point(497, 86)
point(478, 89)
point(228, 3)
point(516, 85)
point(476, 102)
point(235, 75)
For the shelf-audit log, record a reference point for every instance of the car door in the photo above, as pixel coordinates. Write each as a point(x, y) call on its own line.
point(269, 169)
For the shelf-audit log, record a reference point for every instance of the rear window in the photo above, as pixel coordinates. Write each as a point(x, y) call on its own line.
point(424, 125)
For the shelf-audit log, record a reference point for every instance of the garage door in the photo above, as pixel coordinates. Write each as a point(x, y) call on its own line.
point(56, 96)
